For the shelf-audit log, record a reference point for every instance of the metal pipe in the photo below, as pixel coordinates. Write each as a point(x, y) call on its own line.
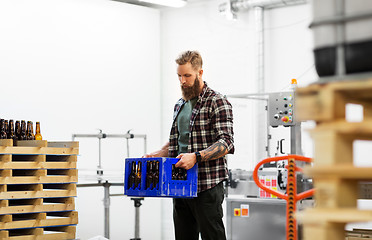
point(137, 223)
point(89, 184)
point(127, 148)
point(259, 24)
point(117, 195)
point(145, 145)
point(106, 203)
point(340, 39)
point(137, 205)
point(97, 184)
point(296, 139)
point(127, 135)
point(99, 156)
point(104, 135)
point(240, 5)
point(261, 136)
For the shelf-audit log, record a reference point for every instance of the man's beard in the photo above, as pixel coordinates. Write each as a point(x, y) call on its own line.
point(191, 92)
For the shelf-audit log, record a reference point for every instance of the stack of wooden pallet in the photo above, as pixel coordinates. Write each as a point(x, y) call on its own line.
point(334, 174)
point(37, 190)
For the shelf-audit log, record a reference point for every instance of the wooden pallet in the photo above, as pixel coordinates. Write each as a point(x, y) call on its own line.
point(37, 189)
point(336, 179)
point(42, 233)
point(326, 102)
point(38, 155)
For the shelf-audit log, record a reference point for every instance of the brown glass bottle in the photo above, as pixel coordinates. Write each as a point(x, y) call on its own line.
point(132, 175)
point(18, 129)
point(181, 174)
point(148, 174)
point(184, 174)
point(38, 133)
point(3, 134)
point(156, 174)
point(11, 133)
point(30, 131)
point(22, 135)
point(6, 128)
point(174, 172)
point(138, 175)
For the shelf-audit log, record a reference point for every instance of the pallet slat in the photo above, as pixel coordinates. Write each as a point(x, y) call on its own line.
point(345, 171)
point(37, 165)
point(64, 144)
point(70, 191)
point(37, 205)
point(38, 150)
point(47, 233)
point(325, 215)
point(38, 179)
point(40, 220)
point(31, 143)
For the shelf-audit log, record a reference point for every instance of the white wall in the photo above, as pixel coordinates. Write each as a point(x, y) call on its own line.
point(229, 53)
point(80, 65)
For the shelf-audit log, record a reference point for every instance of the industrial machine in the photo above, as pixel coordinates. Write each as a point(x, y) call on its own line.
point(253, 213)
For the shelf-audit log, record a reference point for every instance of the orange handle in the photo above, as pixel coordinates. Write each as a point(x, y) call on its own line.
point(300, 196)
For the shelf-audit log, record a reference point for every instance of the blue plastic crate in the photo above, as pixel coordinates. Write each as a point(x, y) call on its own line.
point(166, 186)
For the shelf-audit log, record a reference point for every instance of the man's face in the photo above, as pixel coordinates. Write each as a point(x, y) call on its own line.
point(189, 81)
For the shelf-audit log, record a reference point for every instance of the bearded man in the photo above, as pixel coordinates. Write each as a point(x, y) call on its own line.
point(201, 133)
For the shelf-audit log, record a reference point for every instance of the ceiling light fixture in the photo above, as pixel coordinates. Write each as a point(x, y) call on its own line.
point(168, 3)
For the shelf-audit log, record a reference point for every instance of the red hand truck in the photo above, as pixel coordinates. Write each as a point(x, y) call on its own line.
point(291, 197)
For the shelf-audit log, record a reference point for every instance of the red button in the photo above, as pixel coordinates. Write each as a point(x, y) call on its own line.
point(285, 119)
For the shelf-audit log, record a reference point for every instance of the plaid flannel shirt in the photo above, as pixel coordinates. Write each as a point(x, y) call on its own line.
point(211, 121)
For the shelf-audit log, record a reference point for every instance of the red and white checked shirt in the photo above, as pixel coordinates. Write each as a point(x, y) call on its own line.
point(211, 121)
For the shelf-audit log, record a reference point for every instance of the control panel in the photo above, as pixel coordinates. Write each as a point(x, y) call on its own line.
point(281, 109)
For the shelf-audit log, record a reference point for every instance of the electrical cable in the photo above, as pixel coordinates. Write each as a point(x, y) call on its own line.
point(287, 25)
point(313, 65)
point(299, 77)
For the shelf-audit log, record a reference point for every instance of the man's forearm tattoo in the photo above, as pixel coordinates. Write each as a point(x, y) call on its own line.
point(215, 151)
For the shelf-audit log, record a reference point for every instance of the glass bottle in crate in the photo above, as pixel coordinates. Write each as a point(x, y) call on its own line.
point(138, 176)
point(132, 175)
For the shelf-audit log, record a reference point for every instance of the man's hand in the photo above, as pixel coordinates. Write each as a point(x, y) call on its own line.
point(163, 152)
point(187, 160)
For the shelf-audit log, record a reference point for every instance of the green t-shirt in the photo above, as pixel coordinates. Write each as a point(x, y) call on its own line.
point(183, 123)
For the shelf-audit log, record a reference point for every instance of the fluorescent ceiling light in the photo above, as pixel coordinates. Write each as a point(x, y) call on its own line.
point(168, 3)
